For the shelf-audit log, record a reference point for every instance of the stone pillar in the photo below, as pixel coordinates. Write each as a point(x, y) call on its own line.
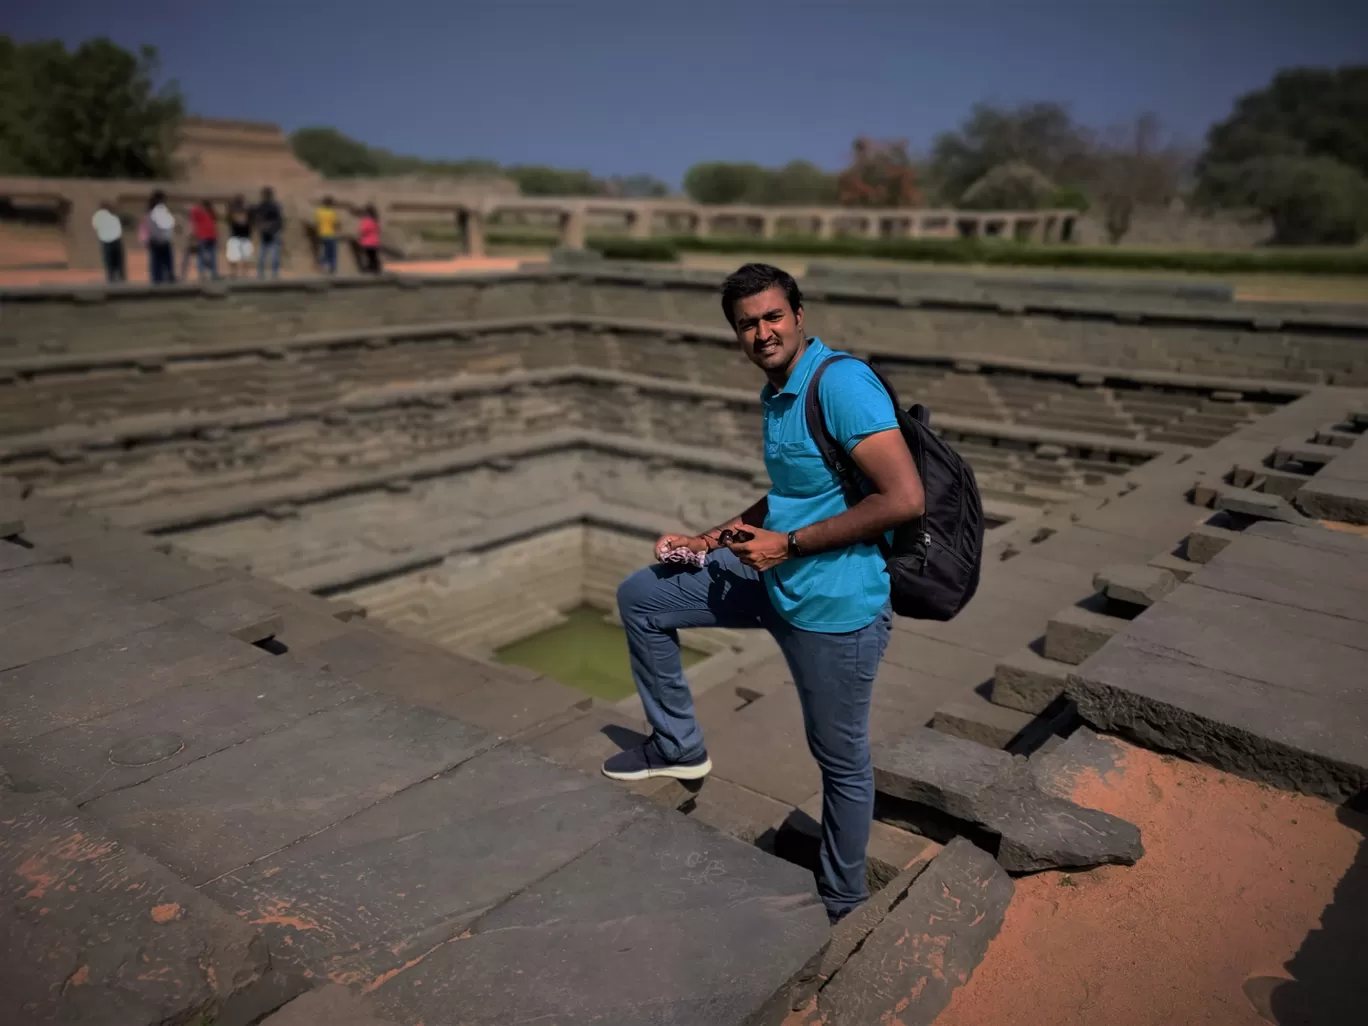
point(769, 224)
point(641, 224)
point(822, 226)
point(572, 228)
point(872, 227)
point(82, 247)
point(702, 227)
point(471, 225)
point(914, 226)
point(1047, 230)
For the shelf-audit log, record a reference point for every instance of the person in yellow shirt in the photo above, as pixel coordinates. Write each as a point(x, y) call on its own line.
point(325, 224)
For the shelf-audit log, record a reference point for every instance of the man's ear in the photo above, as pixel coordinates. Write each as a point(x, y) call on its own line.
point(798, 317)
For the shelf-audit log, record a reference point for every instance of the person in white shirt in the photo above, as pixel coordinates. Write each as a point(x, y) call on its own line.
point(109, 230)
point(156, 231)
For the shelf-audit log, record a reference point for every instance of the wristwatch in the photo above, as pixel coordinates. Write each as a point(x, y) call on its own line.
point(794, 549)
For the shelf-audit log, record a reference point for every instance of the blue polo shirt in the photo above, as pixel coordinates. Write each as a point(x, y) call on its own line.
point(845, 589)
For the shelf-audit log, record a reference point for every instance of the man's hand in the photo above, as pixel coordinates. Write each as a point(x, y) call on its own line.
point(767, 549)
point(692, 542)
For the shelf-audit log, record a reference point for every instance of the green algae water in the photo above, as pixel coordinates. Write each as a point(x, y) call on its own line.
point(585, 652)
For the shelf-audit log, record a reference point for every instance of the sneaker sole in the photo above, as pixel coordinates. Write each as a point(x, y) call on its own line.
point(677, 772)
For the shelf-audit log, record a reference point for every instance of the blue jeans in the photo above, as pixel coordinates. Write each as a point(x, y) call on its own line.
point(327, 255)
point(834, 674)
point(161, 263)
point(207, 252)
point(271, 246)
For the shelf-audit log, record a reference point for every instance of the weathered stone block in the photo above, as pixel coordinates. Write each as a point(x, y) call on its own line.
point(982, 722)
point(227, 607)
point(995, 792)
point(1028, 682)
point(1137, 585)
point(1181, 568)
point(1206, 541)
point(926, 946)
point(1263, 505)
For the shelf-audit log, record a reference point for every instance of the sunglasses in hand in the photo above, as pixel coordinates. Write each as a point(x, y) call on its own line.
point(733, 536)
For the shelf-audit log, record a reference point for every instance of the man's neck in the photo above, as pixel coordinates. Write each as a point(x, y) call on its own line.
point(779, 377)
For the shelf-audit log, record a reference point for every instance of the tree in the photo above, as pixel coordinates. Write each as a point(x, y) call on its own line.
point(1042, 136)
point(638, 186)
point(539, 180)
point(1136, 165)
point(1011, 186)
point(1296, 150)
point(90, 113)
point(1310, 200)
point(720, 182)
point(880, 174)
point(333, 154)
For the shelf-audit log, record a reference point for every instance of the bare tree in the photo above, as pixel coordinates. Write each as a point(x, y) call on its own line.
point(1137, 164)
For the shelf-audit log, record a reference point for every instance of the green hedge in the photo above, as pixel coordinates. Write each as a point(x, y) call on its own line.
point(970, 251)
point(1017, 254)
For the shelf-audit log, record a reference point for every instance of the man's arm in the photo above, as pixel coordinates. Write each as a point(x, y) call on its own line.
point(897, 497)
point(887, 464)
point(752, 516)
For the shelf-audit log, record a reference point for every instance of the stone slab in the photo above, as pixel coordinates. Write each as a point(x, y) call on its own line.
point(146, 573)
point(46, 582)
point(226, 607)
point(994, 792)
point(55, 692)
point(53, 625)
point(1181, 568)
point(1329, 497)
point(301, 779)
point(744, 814)
point(1283, 737)
point(359, 900)
point(1335, 583)
point(1313, 537)
point(332, 1004)
point(980, 721)
point(938, 658)
point(763, 747)
point(925, 947)
point(95, 932)
point(1136, 585)
point(16, 557)
point(1084, 751)
point(1261, 505)
point(173, 728)
point(1206, 541)
point(704, 929)
point(1028, 682)
point(1073, 634)
point(890, 851)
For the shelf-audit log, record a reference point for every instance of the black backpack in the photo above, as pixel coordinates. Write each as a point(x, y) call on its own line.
point(933, 562)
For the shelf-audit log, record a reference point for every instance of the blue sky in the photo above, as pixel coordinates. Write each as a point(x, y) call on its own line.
point(649, 86)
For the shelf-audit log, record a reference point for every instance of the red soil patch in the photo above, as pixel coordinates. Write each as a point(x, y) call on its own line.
point(1234, 877)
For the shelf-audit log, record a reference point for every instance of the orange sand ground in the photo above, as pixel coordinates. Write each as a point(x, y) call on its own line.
point(1235, 877)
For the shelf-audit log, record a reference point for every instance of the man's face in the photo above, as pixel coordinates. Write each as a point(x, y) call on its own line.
point(769, 330)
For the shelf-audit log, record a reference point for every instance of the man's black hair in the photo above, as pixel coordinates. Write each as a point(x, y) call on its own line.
point(751, 280)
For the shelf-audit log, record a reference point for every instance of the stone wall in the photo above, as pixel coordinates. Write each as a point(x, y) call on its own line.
point(1168, 228)
point(1264, 341)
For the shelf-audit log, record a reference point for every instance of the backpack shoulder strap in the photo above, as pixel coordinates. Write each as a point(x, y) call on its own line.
point(833, 453)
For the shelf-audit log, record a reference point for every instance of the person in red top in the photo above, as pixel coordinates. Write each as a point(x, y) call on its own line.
point(205, 227)
point(368, 236)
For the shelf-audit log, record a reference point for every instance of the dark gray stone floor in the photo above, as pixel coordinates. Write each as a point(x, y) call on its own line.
point(337, 819)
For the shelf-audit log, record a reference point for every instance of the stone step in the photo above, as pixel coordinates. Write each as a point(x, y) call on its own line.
point(1181, 568)
point(1028, 682)
point(798, 839)
point(1134, 585)
point(980, 721)
point(1075, 633)
point(1259, 505)
point(1206, 541)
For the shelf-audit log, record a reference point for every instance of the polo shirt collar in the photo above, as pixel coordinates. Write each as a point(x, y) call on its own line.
point(815, 353)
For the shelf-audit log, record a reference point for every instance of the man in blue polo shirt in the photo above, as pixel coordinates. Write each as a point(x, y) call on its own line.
point(808, 569)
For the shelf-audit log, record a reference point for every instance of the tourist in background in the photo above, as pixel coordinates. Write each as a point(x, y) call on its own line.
point(239, 236)
point(109, 230)
point(204, 225)
point(155, 230)
point(368, 235)
point(325, 225)
point(270, 223)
